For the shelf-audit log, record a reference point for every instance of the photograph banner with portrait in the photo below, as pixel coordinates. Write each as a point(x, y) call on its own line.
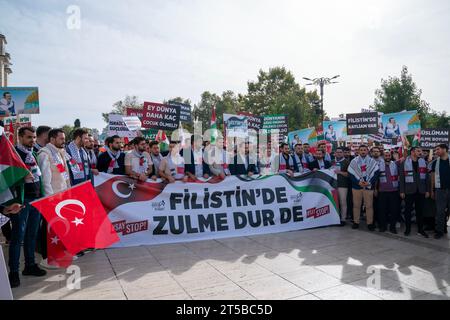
point(18, 100)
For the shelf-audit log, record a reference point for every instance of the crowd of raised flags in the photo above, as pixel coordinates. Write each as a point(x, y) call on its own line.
point(377, 183)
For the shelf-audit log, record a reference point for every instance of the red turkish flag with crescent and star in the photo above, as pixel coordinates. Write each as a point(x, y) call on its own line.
point(78, 218)
point(118, 190)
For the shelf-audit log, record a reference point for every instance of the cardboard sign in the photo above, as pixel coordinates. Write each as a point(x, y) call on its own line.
point(160, 116)
point(430, 138)
point(362, 123)
point(185, 111)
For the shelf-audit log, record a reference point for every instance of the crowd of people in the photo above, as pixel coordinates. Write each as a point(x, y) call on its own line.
point(386, 188)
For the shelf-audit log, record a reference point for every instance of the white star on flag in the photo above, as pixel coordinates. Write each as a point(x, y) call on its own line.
point(77, 222)
point(131, 186)
point(55, 240)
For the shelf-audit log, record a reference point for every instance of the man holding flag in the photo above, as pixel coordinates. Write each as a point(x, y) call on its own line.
point(15, 176)
point(54, 164)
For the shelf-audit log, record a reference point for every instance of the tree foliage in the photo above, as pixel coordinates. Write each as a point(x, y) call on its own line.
point(277, 92)
point(400, 93)
point(120, 106)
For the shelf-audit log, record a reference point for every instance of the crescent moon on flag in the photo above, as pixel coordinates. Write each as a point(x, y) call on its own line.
point(117, 192)
point(54, 220)
point(64, 203)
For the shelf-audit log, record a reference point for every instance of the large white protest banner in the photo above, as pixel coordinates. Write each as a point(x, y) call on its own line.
point(156, 213)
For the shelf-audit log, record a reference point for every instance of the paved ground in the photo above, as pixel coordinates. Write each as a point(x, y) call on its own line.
point(328, 263)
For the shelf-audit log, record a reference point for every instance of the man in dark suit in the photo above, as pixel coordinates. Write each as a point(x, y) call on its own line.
point(113, 160)
point(195, 165)
point(241, 163)
point(319, 162)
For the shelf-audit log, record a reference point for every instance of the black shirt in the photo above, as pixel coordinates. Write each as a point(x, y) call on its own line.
point(104, 160)
point(444, 173)
point(343, 182)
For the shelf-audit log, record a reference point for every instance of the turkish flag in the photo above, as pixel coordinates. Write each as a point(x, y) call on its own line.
point(57, 254)
point(119, 190)
point(78, 218)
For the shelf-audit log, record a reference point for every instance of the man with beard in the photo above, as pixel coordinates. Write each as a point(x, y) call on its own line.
point(194, 163)
point(80, 170)
point(92, 158)
point(300, 159)
point(155, 155)
point(364, 173)
point(308, 155)
point(388, 194)
point(138, 164)
point(25, 224)
point(286, 162)
point(340, 167)
point(440, 186)
point(320, 163)
point(414, 188)
point(113, 160)
point(54, 163)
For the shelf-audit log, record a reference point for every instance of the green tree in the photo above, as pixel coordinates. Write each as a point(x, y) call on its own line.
point(277, 92)
point(68, 129)
point(400, 93)
point(436, 119)
point(77, 123)
point(202, 110)
point(120, 106)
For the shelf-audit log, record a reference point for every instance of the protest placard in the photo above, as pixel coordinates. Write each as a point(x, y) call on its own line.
point(160, 116)
point(362, 123)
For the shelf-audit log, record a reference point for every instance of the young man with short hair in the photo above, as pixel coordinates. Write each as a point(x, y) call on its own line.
point(388, 194)
point(241, 164)
point(440, 188)
point(172, 167)
point(341, 168)
point(364, 173)
point(113, 160)
point(300, 159)
point(138, 164)
point(79, 157)
point(194, 162)
point(286, 162)
point(25, 224)
point(54, 163)
point(319, 163)
point(414, 188)
point(41, 138)
point(306, 151)
point(155, 155)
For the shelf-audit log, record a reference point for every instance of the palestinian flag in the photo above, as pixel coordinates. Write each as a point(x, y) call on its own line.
point(213, 128)
point(12, 168)
point(161, 137)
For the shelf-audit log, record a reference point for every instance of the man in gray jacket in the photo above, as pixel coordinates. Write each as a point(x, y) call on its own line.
point(414, 188)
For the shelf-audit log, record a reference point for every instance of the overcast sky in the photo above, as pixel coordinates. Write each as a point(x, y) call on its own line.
point(162, 49)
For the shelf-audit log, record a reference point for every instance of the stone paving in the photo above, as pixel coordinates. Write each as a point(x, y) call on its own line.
point(325, 263)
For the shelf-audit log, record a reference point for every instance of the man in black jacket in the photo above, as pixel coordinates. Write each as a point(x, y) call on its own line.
point(25, 224)
point(319, 162)
point(195, 165)
point(241, 163)
point(113, 160)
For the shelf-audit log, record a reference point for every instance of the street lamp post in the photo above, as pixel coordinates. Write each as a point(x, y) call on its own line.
point(321, 83)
